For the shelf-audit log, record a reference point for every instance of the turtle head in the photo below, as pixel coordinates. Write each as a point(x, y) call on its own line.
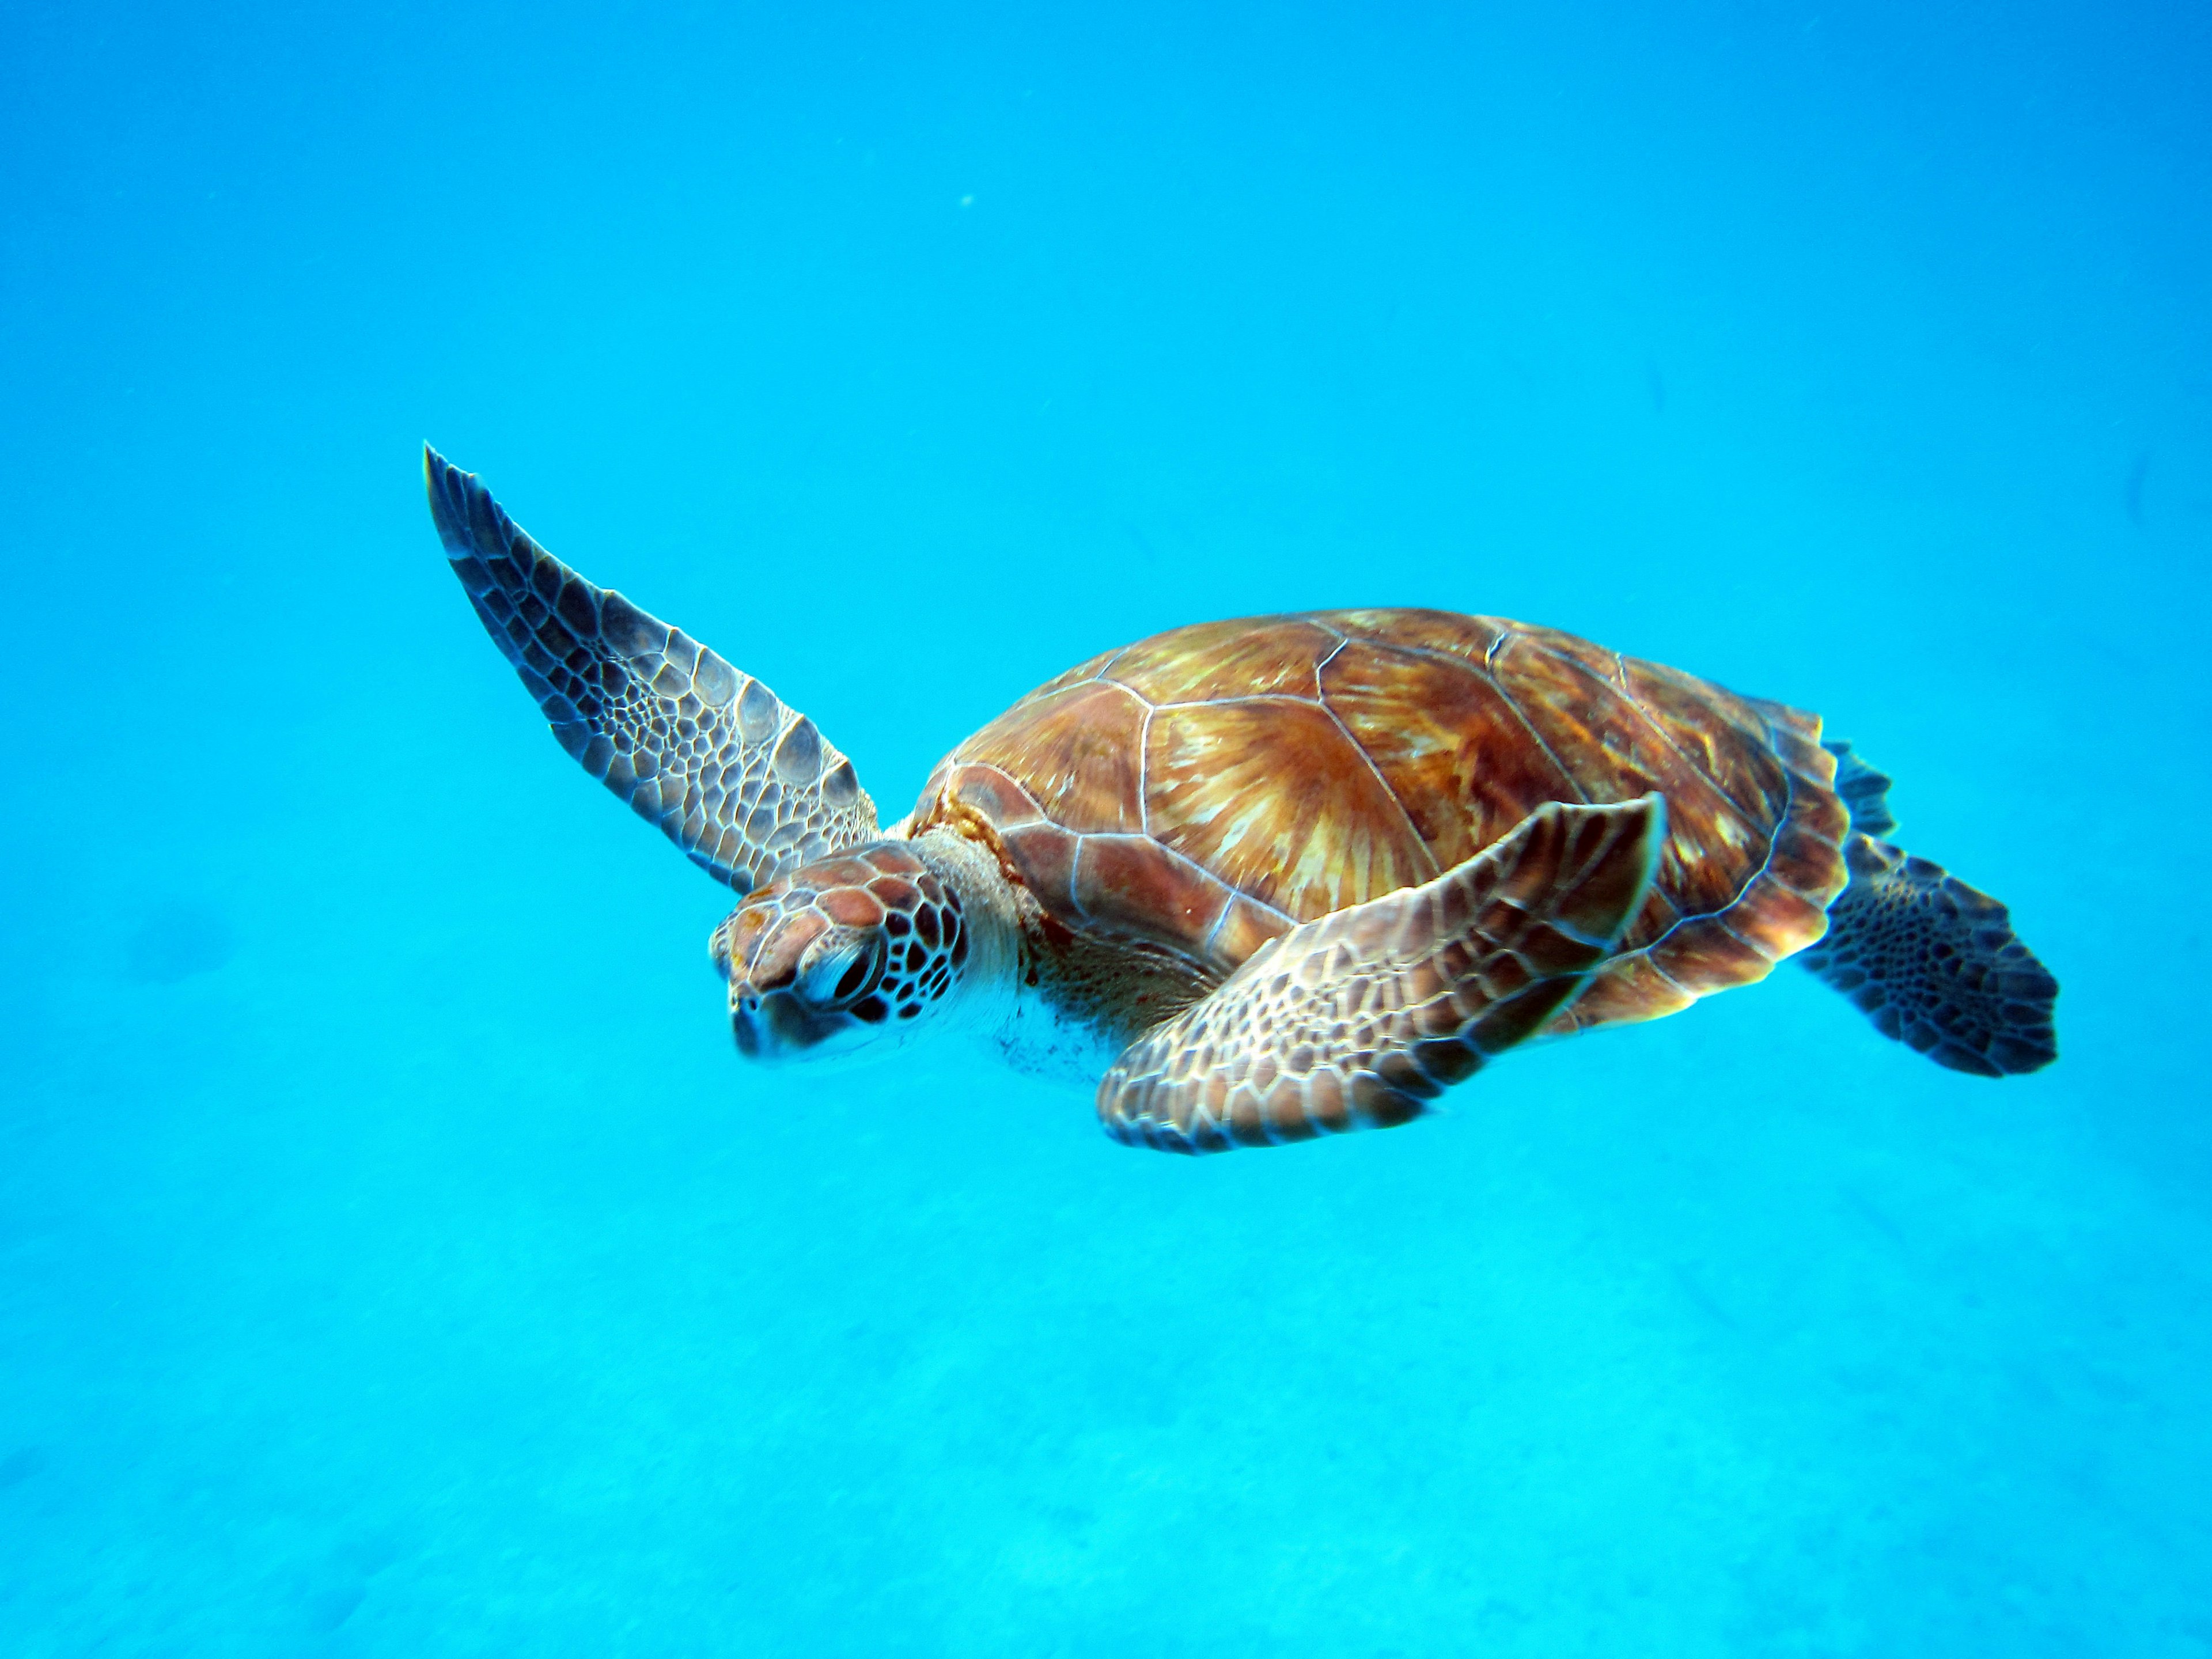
point(841, 953)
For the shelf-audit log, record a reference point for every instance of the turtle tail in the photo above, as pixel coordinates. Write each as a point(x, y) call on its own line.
point(1932, 961)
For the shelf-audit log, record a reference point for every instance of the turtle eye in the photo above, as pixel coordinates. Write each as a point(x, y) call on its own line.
point(840, 976)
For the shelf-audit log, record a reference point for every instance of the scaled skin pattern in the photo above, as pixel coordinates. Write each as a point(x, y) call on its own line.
point(1271, 878)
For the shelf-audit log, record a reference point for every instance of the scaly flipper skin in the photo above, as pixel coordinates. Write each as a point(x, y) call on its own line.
point(748, 788)
point(1358, 1018)
point(1864, 791)
point(1936, 964)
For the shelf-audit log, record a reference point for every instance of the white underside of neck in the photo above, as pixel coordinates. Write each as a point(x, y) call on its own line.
point(993, 1004)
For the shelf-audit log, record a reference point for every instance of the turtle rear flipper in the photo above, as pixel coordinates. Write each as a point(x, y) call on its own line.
point(745, 785)
point(1936, 964)
point(1865, 790)
point(1358, 1018)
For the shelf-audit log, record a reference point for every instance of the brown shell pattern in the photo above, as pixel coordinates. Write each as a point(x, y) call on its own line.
point(1208, 789)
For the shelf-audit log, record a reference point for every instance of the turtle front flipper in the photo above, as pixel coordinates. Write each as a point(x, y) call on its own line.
point(748, 788)
point(1358, 1018)
point(1936, 964)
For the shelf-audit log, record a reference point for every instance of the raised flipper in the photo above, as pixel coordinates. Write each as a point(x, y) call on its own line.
point(1935, 964)
point(1356, 1020)
point(746, 787)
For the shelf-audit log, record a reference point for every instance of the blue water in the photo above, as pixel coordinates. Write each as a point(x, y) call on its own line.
point(396, 1260)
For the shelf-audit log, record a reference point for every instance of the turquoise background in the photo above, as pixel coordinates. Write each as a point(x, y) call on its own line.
point(395, 1259)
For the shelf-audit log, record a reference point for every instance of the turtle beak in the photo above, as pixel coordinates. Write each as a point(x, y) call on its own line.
point(759, 950)
point(776, 1025)
point(745, 1025)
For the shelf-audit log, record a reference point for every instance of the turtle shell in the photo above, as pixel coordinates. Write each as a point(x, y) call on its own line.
point(1211, 788)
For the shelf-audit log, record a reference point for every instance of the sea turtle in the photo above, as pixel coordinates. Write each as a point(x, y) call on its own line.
point(1273, 878)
